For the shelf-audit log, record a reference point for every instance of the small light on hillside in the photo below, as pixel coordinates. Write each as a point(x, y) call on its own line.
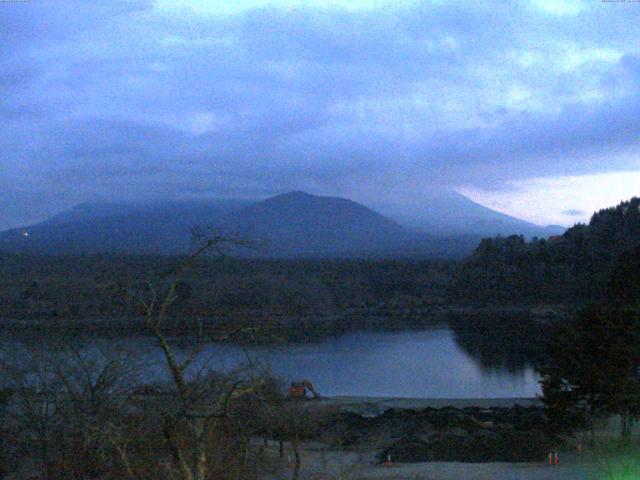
point(25, 234)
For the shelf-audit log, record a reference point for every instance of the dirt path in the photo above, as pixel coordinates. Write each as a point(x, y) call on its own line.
point(478, 471)
point(320, 463)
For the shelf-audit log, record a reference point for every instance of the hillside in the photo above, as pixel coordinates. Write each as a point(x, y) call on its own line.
point(95, 228)
point(574, 267)
point(292, 225)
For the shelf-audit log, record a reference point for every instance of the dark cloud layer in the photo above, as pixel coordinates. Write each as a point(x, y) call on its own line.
point(134, 99)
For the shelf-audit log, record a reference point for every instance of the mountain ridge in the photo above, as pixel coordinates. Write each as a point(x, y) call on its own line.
point(290, 225)
point(452, 213)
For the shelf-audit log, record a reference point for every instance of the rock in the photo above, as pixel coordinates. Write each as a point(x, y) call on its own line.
point(448, 434)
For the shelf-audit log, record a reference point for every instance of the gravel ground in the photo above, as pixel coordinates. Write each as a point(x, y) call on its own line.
point(320, 463)
point(479, 471)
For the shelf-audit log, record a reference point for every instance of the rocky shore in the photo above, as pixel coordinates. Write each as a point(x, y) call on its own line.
point(481, 433)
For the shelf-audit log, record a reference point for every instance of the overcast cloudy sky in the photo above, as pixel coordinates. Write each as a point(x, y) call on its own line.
point(532, 107)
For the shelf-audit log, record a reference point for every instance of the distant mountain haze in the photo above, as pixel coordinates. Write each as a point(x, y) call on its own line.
point(291, 225)
point(452, 214)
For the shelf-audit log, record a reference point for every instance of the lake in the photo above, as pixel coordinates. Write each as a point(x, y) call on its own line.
point(427, 363)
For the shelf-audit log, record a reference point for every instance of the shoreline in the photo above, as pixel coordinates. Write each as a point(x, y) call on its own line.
point(375, 405)
point(301, 328)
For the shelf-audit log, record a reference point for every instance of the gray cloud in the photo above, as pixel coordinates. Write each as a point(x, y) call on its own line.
point(120, 99)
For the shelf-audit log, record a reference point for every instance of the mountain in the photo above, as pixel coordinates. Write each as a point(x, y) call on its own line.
point(129, 228)
point(453, 214)
point(294, 225)
point(299, 224)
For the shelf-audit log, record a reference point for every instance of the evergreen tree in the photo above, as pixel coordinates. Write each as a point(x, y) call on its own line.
point(593, 368)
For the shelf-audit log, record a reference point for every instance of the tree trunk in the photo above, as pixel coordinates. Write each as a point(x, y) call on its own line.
point(626, 426)
point(44, 453)
point(176, 453)
point(200, 448)
point(124, 458)
point(296, 453)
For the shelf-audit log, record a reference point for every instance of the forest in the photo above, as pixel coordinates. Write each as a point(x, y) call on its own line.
point(569, 270)
point(574, 268)
point(95, 292)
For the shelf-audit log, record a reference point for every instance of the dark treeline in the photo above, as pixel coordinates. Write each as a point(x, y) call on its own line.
point(570, 269)
point(95, 287)
point(590, 369)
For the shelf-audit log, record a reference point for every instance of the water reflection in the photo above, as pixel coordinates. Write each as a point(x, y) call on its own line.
point(506, 343)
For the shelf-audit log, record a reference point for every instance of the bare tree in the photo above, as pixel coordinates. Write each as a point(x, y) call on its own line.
point(199, 403)
point(34, 403)
point(289, 420)
point(85, 412)
point(62, 399)
point(95, 387)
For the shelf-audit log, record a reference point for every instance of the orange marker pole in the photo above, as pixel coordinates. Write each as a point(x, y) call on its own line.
point(550, 458)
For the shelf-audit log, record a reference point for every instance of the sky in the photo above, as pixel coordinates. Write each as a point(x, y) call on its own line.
point(531, 107)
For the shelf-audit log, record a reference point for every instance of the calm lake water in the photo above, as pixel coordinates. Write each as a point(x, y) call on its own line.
point(425, 363)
